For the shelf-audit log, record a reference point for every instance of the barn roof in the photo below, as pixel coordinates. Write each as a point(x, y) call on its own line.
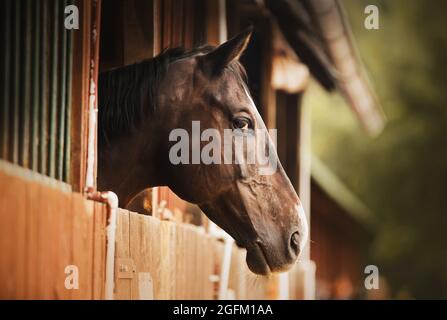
point(319, 33)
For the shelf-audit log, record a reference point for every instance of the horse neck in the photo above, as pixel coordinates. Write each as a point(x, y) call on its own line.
point(123, 169)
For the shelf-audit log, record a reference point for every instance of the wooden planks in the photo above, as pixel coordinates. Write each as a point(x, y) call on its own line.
point(122, 251)
point(12, 237)
point(44, 229)
point(194, 263)
point(145, 251)
point(179, 258)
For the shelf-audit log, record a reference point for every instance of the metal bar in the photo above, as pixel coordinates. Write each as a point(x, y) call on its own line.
point(35, 87)
point(16, 85)
point(6, 77)
point(67, 137)
point(53, 92)
point(62, 101)
point(25, 88)
point(111, 199)
point(43, 107)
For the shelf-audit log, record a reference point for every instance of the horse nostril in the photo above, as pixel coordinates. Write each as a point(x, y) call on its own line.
point(295, 242)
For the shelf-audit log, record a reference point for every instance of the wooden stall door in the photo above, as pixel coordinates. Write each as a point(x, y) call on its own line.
point(46, 234)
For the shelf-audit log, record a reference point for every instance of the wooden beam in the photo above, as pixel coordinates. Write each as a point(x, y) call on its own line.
point(80, 89)
point(86, 65)
point(268, 97)
point(138, 35)
point(293, 19)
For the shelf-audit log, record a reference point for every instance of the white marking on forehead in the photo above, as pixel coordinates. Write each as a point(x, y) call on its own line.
point(252, 103)
point(271, 140)
point(304, 226)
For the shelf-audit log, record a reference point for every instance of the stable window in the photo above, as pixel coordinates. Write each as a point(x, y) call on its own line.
point(45, 73)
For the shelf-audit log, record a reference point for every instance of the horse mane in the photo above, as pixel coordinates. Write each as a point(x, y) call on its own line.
point(126, 95)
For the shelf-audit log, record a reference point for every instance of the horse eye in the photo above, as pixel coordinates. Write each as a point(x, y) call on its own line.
point(241, 123)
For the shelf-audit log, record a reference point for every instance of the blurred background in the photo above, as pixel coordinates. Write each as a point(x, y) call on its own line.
point(400, 174)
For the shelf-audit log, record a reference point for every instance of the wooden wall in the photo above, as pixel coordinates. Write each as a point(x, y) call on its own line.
point(337, 247)
point(44, 228)
point(180, 259)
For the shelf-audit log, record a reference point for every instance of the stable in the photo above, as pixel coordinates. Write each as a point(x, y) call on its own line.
point(51, 215)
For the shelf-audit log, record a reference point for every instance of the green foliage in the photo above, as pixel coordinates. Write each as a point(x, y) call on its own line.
point(402, 174)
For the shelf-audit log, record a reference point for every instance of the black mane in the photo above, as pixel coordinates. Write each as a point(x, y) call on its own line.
point(127, 94)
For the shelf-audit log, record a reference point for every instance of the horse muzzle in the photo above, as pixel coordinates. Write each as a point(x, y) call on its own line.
point(278, 251)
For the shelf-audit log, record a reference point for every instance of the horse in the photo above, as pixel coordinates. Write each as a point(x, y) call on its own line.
point(141, 104)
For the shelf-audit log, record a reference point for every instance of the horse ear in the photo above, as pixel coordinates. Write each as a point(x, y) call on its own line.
point(214, 62)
